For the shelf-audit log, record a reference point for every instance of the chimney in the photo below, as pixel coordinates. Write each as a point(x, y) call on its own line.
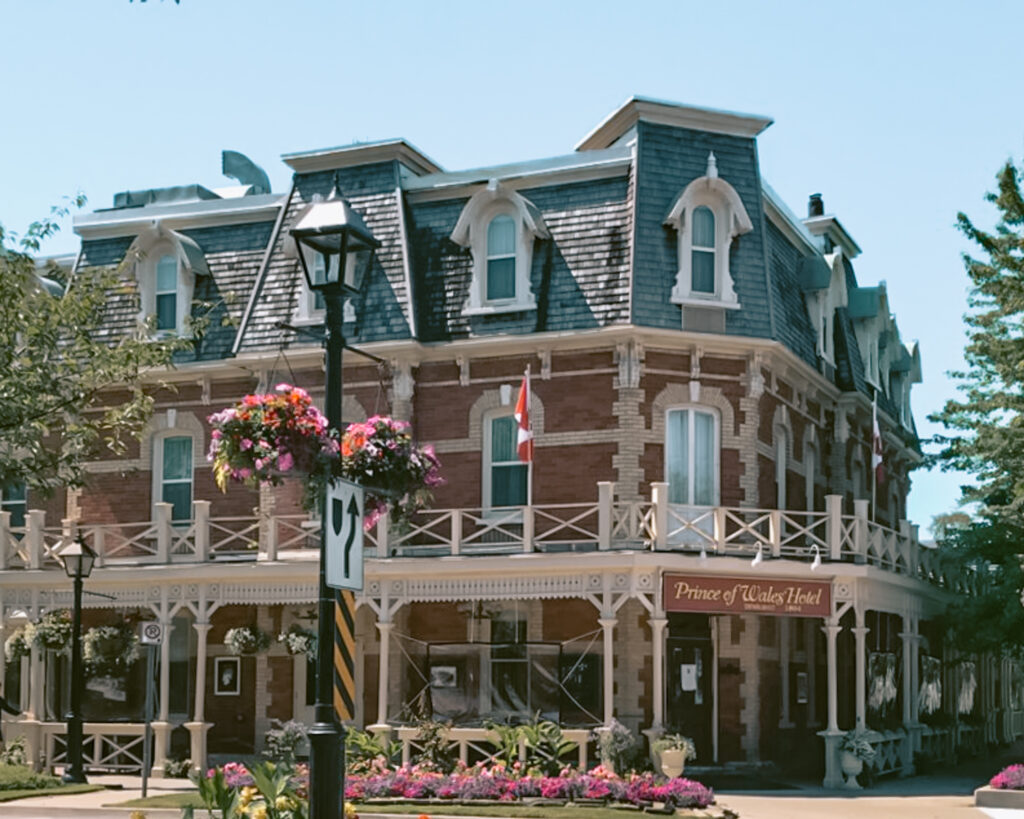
point(815, 206)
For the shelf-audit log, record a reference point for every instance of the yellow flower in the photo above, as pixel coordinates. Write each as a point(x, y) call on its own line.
point(283, 803)
point(350, 811)
point(259, 811)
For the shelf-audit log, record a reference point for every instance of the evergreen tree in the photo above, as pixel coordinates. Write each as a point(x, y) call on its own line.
point(986, 432)
point(68, 391)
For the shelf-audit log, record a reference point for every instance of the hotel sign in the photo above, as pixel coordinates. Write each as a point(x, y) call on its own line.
point(735, 595)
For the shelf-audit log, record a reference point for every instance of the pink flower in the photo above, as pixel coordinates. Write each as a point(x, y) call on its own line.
point(245, 443)
point(285, 461)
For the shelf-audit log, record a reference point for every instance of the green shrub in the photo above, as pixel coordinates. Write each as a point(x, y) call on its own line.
point(13, 752)
point(21, 777)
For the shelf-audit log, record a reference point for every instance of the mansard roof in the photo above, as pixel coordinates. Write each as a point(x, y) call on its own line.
point(604, 258)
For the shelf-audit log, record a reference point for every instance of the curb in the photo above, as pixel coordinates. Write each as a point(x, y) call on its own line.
point(988, 797)
point(49, 812)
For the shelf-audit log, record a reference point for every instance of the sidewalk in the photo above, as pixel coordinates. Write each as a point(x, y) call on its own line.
point(117, 788)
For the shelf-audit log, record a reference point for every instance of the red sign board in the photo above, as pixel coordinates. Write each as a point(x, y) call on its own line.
point(760, 595)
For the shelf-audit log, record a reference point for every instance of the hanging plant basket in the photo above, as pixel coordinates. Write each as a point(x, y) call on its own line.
point(16, 646)
point(109, 651)
point(52, 632)
point(265, 438)
point(246, 640)
point(298, 640)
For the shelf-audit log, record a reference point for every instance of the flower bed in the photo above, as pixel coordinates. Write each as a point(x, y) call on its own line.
point(482, 783)
point(498, 783)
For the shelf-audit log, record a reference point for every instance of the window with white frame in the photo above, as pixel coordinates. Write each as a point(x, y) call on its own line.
point(707, 216)
point(499, 226)
point(506, 479)
point(311, 303)
point(14, 499)
point(166, 287)
point(173, 474)
point(691, 456)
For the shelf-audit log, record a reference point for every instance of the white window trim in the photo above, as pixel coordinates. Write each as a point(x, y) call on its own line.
point(487, 466)
point(306, 311)
point(782, 437)
point(151, 245)
point(810, 470)
point(731, 220)
point(157, 470)
point(471, 232)
point(716, 448)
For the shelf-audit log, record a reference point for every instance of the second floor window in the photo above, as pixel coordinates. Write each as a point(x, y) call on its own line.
point(14, 499)
point(703, 251)
point(506, 478)
point(176, 476)
point(167, 294)
point(691, 457)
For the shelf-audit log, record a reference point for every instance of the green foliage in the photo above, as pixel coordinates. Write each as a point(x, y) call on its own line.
point(985, 432)
point(177, 768)
point(59, 367)
point(435, 750)
point(542, 740)
point(618, 746)
point(362, 748)
point(675, 742)
point(110, 650)
point(21, 777)
point(13, 752)
point(217, 794)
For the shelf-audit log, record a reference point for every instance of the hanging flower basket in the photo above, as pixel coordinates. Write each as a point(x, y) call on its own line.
point(246, 640)
point(16, 646)
point(110, 651)
point(52, 632)
point(264, 438)
point(298, 640)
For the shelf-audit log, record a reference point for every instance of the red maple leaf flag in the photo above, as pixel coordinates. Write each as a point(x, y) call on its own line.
point(524, 438)
point(876, 445)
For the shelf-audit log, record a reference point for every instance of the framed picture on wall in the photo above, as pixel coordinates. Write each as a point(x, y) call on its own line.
point(801, 687)
point(227, 677)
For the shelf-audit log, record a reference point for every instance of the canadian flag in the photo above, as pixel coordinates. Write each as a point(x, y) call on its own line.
point(524, 438)
point(876, 445)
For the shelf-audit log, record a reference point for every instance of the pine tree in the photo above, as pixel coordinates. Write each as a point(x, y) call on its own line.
point(986, 432)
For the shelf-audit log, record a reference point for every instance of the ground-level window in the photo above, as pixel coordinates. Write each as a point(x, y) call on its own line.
point(691, 456)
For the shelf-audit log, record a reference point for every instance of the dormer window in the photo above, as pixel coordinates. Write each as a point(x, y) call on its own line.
point(501, 258)
point(707, 216)
point(311, 304)
point(167, 263)
point(499, 227)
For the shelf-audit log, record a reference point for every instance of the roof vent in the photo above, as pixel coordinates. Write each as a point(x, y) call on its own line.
point(815, 206)
point(239, 166)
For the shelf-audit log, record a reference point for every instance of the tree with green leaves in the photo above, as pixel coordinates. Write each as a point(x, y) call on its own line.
point(69, 393)
point(985, 432)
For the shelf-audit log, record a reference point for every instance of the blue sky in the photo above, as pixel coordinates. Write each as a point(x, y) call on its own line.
point(899, 113)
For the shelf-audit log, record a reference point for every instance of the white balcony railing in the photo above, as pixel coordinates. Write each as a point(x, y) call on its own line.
point(607, 524)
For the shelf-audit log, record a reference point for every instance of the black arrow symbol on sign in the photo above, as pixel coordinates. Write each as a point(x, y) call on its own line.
point(353, 514)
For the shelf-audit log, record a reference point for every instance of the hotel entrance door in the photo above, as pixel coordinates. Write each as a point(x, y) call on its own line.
point(690, 698)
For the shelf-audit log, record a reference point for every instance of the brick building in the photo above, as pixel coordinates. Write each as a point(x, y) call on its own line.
point(694, 547)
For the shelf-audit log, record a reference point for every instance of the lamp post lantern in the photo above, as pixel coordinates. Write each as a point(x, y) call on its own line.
point(335, 249)
point(78, 562)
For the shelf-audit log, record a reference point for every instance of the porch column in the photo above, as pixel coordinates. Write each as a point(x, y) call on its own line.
point(860, 655)
point(162, 728)
point(608, 627)
point(658, 671)
point(383, 677)
point(832, 734)
point(910, 687)
point(784, 651)
point(198, 727)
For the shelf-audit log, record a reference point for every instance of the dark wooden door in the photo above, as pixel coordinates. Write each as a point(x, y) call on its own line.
point(689, 690)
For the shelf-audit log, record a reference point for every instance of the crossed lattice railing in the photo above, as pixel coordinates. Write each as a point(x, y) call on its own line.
point(474, 745)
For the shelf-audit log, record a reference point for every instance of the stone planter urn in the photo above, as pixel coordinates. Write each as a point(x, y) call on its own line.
point(851, 766)
point(673, 760)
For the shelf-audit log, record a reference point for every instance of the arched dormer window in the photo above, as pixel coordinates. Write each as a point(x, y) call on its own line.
point(707, 216)
point(166, 265)
point(499, 227)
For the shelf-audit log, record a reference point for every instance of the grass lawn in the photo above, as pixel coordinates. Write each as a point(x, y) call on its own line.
point(180, 800)
point(21, 793)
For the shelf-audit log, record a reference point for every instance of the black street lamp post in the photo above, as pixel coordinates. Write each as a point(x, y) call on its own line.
point(78, 561)
point(335, 235)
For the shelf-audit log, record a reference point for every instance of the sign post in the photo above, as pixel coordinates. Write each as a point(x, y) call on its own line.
point(151, 635)
point(344, 526)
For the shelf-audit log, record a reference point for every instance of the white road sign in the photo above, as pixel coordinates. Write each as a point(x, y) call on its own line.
point(151, 634)
point(344, 521)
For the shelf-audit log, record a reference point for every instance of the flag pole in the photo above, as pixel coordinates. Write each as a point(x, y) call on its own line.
point(874, 469)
